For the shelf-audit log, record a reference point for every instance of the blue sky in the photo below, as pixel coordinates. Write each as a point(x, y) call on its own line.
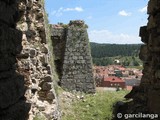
point(109, 21)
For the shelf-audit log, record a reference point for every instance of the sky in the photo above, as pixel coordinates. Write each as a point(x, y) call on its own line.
point(109, 21)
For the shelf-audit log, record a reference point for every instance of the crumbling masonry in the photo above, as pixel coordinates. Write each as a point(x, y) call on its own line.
point(34, 61)
point(12, 90)
point(72, 54)
point(26, 76)
point(146, 97)
point(24, 63)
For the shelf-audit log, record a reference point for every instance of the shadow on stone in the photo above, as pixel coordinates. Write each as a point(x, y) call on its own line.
point(13, 105)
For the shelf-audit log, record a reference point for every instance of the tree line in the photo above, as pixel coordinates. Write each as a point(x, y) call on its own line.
point(111, 50)
point(106, 54)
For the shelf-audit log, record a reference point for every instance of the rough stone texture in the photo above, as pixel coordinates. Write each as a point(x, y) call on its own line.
point(58, 41)
point(146, 97)
point(12, 100)
point(76, 64)
point(33, 61)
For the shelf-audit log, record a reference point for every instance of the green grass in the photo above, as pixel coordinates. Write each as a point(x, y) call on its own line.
point(39, 117)
point(137, 67)
point(94, 107)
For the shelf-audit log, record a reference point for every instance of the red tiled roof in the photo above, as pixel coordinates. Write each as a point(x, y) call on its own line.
point(113, 79)
point(129, 87)
point(122, 68)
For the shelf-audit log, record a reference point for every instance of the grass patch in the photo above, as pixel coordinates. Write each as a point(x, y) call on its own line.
point(39, 117)
point(137, 67)
point(93, 107)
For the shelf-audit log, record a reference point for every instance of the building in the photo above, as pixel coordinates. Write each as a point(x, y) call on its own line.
point(117, 76)
point(132, 81)
point(113, 81)
point(118, 73)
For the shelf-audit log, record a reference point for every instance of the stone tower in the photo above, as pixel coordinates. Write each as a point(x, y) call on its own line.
point(76, 63)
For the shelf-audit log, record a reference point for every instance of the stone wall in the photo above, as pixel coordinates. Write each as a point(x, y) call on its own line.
point(146, 97)
point(58, 41)
point(34, 61)
point(12, 90)
point(150, 52)
point(76, 64)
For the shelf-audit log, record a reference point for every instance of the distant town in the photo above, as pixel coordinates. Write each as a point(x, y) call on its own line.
point(116, 77)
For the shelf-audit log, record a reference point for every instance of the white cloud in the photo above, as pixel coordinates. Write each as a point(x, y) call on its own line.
point(124, 13)
point(61, 10)
point(143, 10)
point(105, 36)
point(58, 12)
point(78, 9)
point(89, 17)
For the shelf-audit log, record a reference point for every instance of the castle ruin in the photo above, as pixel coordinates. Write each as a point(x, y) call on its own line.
point(27, 77)
point(73, 57)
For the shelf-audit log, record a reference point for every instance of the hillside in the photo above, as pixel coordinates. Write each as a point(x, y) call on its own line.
point(79, 106)
point(112, 50)
point(106, 54)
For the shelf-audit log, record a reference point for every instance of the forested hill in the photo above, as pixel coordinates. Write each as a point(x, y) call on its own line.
point(111, 50)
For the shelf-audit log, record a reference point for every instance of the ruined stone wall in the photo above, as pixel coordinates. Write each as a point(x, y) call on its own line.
point(146, 97)
point(12, 100)
point(76, 62)
point(58, 41)
point(34, 61)
point(150, 54)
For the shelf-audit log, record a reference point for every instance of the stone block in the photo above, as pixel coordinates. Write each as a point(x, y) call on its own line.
point(47, 78)
point(75, 57)
point(34, 88)
point(42, 94)
point(6, 74)
point(40, 27)
point(6, 63)
point(44, 59)
point(50, 95)
point(44, 49)
point(143, 33)
point(71, 61)
point(46, 86)
point(17, 111)
point(34, 61)
point(90, 86)
point(49, 69)
point(151, 23)
point(23, 27)
point(154, 42)
point(33, 52)
point(83, 61)
point(153, 6)
point(40, 14)
point(11, 90)
point(7, 14)
point(144, 54)
point(10, 43)
point(22, 56)
point(153, 101)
